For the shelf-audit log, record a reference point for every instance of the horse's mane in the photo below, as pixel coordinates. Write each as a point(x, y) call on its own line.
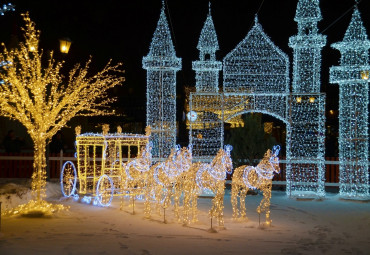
point(217, 159)
point(266, 158)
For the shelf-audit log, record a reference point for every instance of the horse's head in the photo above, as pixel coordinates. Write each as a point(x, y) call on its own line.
point(188, 153)
point(174, 153)
point(186, 158)
point(274, 159)
point(146, 152)
point(226, 159)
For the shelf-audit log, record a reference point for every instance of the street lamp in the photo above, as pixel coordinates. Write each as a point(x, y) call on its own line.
point(65, 43)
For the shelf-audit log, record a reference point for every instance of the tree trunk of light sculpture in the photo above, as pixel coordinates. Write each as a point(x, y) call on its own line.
point(43, 101)
point(39, 166)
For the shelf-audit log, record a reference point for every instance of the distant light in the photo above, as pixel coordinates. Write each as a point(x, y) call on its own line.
point(365, 75)
point(298, 99)
point(65, 44)
point(331, 112)
point(312, 99)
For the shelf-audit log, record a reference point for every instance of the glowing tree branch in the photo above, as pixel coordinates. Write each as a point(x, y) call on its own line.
point(43, 100)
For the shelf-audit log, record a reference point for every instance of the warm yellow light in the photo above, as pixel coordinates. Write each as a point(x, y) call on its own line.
point(312, 99)
point(44, 102)
point(259, 177)
point(365, 75)
point(331, 112)
point(298, 99)
point(65, 44)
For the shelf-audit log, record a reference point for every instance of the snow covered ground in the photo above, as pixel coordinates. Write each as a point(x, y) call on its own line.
point(331, 226)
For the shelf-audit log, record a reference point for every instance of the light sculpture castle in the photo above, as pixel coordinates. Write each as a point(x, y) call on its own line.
point(353, 78)
point(256, 79)
point(161, 64)
point(306, 169)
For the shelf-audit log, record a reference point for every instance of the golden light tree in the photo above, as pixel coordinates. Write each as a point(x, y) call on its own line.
point(35, 93)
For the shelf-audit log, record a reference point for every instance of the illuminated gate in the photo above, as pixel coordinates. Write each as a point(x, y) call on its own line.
point(256, 79)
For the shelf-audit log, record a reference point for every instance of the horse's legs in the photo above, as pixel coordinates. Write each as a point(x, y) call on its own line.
point(242, 196)
point(158, 197)
point(265, 203)
point(176, 200)
point(147, 193)
point(194, 206)
point(234, 198)
point(220, 208)
point(218, 204)
point(186, 207)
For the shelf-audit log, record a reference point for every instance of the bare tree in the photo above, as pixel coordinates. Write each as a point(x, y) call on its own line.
point(43, 100)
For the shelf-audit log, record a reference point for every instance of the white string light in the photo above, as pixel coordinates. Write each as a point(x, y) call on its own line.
point(162, 64)
point(352, 76)
point(305, 154)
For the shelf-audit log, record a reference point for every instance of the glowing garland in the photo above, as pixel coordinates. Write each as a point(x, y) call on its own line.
point(259, 177)
point(352, 76)
point(162, 64)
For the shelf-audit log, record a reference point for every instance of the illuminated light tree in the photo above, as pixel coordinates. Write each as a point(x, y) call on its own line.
point(44, 101)
point(305, 169)
point(162, 64)
point(352, 76)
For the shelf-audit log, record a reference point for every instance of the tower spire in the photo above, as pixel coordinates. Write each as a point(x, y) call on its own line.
point(208, 42)
point(307, 45)
point(207, 68)
point(162, 64)
point(352, 76)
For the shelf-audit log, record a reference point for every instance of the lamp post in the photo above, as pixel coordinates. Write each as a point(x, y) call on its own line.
point(65, 44)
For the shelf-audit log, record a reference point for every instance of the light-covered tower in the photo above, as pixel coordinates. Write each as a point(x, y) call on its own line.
point(353, 76)
point(161, 64)
point(307, 45)
point(306, 154)
point(207, 68)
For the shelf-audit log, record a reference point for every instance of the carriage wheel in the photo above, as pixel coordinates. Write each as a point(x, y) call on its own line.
point(104, 190)
point(68, 179)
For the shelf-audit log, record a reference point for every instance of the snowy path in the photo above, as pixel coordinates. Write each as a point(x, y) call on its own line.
point(299, 227)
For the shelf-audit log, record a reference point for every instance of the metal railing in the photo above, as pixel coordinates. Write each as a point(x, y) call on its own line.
point(21, 166)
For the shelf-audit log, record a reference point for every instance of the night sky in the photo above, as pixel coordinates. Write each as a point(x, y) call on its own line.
point(122, 31)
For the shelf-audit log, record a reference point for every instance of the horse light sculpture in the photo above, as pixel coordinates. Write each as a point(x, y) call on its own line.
point(203, 176)
point(259, 177)
point(166, 175)
point(135, 174)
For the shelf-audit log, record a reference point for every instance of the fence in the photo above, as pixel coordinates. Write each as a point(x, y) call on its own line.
point(20, 165)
